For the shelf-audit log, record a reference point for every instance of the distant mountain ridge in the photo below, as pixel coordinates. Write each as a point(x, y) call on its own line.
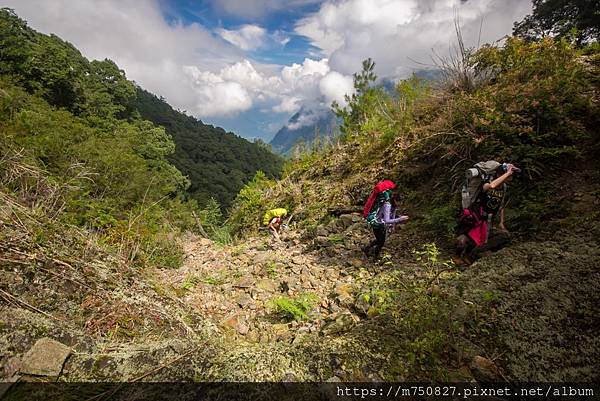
point(304, 127)
point(324, 123)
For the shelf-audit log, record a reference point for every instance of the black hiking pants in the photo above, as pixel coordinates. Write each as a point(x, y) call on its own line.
point(377, 243)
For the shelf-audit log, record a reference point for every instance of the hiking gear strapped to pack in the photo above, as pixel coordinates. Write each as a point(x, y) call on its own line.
point(475, 177)
point(269, 215)
point(380, 187)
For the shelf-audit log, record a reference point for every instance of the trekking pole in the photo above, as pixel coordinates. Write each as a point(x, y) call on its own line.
point(488, 228)
point(290, 219)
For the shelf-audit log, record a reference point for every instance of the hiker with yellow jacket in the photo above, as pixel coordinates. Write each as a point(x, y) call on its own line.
point(273, 219)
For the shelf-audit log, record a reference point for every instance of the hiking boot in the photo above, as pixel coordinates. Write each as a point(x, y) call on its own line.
point(366, 250)
point(461, 262)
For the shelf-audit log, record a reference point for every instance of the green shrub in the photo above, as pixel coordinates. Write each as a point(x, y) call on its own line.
point(294, 308)
point(251, 203)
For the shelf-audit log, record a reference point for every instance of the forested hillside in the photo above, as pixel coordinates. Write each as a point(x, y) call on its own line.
point(217, 163)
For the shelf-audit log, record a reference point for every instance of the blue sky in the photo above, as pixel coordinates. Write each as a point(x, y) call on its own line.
point(248, 66)
point(281, 20)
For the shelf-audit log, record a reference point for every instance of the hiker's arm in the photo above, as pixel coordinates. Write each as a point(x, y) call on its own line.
point(498, 181)
point(386, 218)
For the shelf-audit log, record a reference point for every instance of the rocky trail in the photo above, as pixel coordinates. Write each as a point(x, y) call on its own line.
point(216, 317)
point(217, 309)
point(233, 286)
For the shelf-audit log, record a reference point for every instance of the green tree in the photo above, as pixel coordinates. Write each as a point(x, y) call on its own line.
point(362, 102)
point(580, 18)
point(107, 92)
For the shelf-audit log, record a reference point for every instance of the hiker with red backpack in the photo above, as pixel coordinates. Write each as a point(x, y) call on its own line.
point(380, 215)
point(483, 197)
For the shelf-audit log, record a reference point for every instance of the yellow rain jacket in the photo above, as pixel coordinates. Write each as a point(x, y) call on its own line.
point(280, 212)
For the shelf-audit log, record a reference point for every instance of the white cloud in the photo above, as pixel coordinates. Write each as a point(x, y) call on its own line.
point(281, 37)
point(335, 85)
point(136, 36)
point(215, 96)
point(394, 32)
point(301, 83)
point(288, 105)
point(303, 120)
point(248, 37)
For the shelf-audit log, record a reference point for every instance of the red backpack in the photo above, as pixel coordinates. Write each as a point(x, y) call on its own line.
point(377, 189)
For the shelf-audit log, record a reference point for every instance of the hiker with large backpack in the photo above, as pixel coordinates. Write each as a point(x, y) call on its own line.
point(483, 197)
point(379, 212)
point(273, 219)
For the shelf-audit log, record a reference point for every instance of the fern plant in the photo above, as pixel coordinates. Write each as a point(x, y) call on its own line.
point(294, 308)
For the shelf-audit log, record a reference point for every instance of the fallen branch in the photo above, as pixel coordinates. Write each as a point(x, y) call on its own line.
point(290, 219)
point(161, 367)
point(438, 275)
point(66, 278)
point(17, 261)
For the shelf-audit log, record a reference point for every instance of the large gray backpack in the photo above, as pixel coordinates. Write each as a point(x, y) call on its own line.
point(475, 177)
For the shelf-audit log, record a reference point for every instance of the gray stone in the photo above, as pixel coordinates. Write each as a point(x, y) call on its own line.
point(12, 367)
point(342, 322)
point(242, 329)
point(45, 358)
point(289, 282)
point(322, 231)
point(362, 305)
point(261, 258)
point(244, 300)
point(281, 331)
point(236, 322)
point(346, 220)
point(343, 294)
point(322, 241)
point(205, 242)
point(267, 285)
point(299, 338)
point(244, 282)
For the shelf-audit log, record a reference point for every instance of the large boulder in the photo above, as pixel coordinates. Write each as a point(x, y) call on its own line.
point(45, 358)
